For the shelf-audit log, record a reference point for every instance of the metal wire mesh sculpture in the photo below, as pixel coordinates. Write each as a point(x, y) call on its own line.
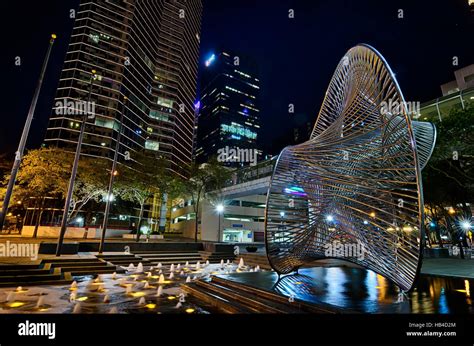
point(353, 190)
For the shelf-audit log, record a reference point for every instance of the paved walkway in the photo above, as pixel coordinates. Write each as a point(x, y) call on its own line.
point(448, 267)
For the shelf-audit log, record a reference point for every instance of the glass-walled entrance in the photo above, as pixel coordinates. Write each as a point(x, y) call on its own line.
point(237, 236)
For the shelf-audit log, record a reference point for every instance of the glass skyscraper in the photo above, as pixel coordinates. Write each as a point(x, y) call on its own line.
point(144, 51)
point(229, 115)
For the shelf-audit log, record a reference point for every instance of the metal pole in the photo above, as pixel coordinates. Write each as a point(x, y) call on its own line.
point(111, 181)
point(70, 189)
point(24, 136)
point(219, 229)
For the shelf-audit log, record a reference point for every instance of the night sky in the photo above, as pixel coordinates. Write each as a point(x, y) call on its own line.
point(296, 57)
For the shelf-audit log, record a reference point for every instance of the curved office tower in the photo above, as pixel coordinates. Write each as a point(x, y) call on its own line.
point(353, 190)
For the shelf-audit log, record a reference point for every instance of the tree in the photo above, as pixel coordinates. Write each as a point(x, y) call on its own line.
point(448, 179)
point(141, 179)
point(45, 172)
point(208, 178)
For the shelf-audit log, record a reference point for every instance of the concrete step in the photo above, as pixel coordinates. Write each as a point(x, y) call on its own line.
point(13, 272)
point(301, 306)
point(86, 271)
point(206, 297)
point(254, 302)
point(52, 277)
point(234, 297)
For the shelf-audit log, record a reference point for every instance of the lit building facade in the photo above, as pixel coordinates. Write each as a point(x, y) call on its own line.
point(458, 93)
point(229, 116)
point(144, 52)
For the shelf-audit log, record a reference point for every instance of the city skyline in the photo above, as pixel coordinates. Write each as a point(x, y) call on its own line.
point(283, 78)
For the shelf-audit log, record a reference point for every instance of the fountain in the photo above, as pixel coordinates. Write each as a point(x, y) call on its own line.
point(147, 285)
point(159, 265)
point(207, 262)
point(98, 278)
point(160, 272)
point(140, 268)
point(171, 275)
point(241, 263)
point(159, 291)
point(74, 285)
point(40, 302)
point(188, 279)
point(257, 268)
point(187, 264)
point(142, 301)
point(106, 299)
point(73, 296)
point(179, 305)
point(128, 290)
point(198, 265)
point(149, 275)
point(181, 273)
point(178, 266)
point(11, 297)
point(228, 262)
point(77, 308)
point(114, 275)
point(172, 268)
point(131, 267)
point(222, 263)
point(151, 269)
point(91, 286)
point(161, 280)
point(113, 310)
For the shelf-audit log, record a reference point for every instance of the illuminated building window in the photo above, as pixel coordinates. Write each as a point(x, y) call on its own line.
point(152, 145)
point(239, 130)
point(165, 102)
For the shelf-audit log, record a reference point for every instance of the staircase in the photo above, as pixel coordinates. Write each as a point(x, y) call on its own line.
point(232, 297)
point(83, 266)
point(216, 257)
point(12, 275)
point(169, 257)
point(124, 260)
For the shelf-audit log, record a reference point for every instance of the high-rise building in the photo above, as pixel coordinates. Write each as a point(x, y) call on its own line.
point(229, 116)
point(146, 51)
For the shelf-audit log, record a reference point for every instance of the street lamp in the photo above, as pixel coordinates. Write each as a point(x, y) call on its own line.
point(219, 209)
point(466, 225)
point(24, 136)
point(75, 165)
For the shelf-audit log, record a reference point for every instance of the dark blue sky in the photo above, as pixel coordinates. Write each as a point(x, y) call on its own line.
point(296, 56)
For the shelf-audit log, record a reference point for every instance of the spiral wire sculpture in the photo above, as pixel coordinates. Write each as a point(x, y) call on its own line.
point(353, 190)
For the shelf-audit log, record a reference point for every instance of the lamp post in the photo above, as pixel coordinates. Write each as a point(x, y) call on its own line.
point(113, 173)
point(75, 165)
point(219, 209)
point(24, 136)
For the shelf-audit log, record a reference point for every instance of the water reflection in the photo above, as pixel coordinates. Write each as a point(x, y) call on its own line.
point(365, 291)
